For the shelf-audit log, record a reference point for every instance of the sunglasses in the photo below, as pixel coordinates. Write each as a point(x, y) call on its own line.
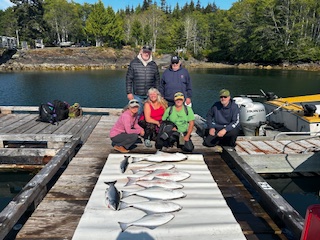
point(174, 62)
point(223, 96)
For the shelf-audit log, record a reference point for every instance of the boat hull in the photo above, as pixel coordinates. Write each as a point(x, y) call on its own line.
point(290, 113)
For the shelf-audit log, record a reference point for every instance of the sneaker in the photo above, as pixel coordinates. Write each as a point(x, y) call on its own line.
point(217, 149)
point(147, 143)
point(120, 149)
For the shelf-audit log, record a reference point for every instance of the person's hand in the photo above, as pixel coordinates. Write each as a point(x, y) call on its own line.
point(130, 96)
point(142, 133)
point(186, 138)
point(212, 131)
point(174, 129)
point(158, 124)
point(222, 132)
point(188, 101)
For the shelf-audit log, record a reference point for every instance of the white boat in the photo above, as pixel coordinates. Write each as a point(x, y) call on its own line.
point(298, 114)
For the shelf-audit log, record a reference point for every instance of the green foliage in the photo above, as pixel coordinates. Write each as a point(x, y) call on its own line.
point(250, 31)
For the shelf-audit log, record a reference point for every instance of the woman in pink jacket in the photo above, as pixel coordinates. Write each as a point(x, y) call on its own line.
point(126, 130)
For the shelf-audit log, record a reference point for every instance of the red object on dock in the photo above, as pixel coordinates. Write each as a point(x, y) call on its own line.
point(311, 229)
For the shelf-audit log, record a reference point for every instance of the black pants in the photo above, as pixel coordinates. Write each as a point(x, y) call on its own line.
point(124, 139)
point(229, 139)
point(170, 139)
point(150, 130)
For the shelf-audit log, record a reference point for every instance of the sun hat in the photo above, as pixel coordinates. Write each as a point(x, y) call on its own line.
point(224, 93)
point(175, 59)
point(134, 103)
point(179, 95)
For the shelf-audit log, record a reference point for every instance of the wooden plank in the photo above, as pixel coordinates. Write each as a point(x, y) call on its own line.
point(267, 149)
point(37, 128)
point(19, 123)
point(249, 147)
point(27, 152)
point(316, 142)
point(25, 126)
point(291, 144)
point(5, 124)
point(68, 125)
point(51, 128)
point(272, 199)
point(280, 147)
point(35, 137)
point(35, 190)
point(307, 145)
point(107, 111)
point(88, 128)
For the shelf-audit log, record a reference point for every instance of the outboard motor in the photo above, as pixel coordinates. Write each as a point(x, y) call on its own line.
point(309, 110)
point(241, 100)
point(252, 116)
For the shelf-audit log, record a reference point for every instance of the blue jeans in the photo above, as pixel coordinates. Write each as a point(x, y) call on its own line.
point(141, 100)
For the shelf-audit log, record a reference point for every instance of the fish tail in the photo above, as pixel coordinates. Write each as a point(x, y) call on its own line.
point(123, 205)
point(136, 159)
point(110, 183)
point(123, 226)
point(134, 171)
point(131, 181)
point(125, 194)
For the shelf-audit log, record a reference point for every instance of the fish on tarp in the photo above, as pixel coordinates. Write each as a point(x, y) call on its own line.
point(149, 221)
point(172, 175)
point(124, 164)
point(155, 182)
point(153, 167)
point(156, 193)
point(113, 196)
point(150, 207)
point(161, 157)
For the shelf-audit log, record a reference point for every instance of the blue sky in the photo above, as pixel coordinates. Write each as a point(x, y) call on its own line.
point(121, 4)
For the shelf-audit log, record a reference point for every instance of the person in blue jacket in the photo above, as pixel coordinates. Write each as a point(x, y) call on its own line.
point(176, 79)
point(223, 122)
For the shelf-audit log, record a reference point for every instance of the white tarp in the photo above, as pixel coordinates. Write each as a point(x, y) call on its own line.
point(204, 214)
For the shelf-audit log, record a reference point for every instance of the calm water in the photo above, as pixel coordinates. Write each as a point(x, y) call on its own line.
point(107, 89)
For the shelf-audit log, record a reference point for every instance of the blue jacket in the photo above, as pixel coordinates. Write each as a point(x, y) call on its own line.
point(220, 117)
point(175, 81)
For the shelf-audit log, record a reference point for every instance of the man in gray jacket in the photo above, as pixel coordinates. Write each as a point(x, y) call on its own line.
point(142, 74)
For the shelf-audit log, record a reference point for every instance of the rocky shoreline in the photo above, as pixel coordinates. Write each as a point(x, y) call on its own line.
point(92, 58)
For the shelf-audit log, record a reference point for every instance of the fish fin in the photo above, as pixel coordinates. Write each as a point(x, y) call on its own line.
point(134, 171)
point(123, 226)
point(131, 181)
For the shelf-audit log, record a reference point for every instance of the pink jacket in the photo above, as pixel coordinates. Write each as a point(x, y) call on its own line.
point(125, 124)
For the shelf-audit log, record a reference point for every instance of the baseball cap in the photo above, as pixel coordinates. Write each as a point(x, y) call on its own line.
point(134, 103)
point(179, 95)
point(147, 48)
point(224, 92)
point(175, 59)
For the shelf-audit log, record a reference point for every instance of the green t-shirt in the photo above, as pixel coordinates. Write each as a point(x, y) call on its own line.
point(181, 119)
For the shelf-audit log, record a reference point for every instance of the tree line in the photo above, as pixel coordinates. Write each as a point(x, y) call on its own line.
point(270, 31)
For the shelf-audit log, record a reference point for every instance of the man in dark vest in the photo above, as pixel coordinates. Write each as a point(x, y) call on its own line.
point(143, 74)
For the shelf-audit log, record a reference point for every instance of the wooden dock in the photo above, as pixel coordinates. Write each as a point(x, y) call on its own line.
point(59, 208)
